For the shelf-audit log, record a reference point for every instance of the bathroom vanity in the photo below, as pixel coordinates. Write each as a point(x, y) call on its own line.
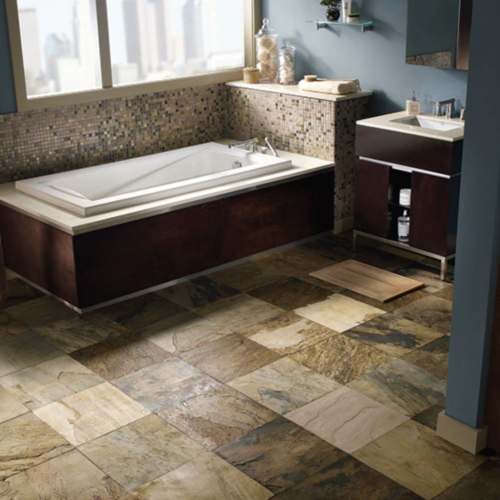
point(424, 154)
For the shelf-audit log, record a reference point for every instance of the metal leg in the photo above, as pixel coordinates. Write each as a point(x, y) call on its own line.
point(444, 269)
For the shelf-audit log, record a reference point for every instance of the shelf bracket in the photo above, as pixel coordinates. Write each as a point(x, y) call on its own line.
point(365, 27)
point(321, 26)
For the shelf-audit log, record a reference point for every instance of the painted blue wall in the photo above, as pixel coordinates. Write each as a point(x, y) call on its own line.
point(7, 93)
point(377, 58)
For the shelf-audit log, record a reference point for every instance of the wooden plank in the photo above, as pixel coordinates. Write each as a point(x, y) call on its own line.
point(369, 281)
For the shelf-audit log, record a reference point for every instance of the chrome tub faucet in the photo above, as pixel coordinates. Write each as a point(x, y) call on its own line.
point(270, 146)
point(249, 145)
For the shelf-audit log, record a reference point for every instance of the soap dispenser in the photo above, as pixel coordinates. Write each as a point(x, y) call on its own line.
point(413, 106)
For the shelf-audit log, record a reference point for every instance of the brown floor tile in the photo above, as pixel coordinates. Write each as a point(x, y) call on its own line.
point(348, 479)
point(387, 306)
point(119, 356)
point(430, 311)
point(429, 417)
point(432, 357)
point(416, 458)
point(69, 476)
point(290, 293)
point(230, 357)
point(198, 292)
point(446, 293)
point(18, 292)
point(428, 275)
point(280, 454)
point(341, 358)
point(141, 451)
point(165, 384)
point(394, 335)
point(383, 260)
point(10, 326)
point(218, 416)
point(10, 407)
point(26, 441)
point(287, 334)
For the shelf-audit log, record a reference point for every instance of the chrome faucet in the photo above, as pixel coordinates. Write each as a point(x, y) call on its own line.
point(449, 103)
point(250, 145)
point(270, 146)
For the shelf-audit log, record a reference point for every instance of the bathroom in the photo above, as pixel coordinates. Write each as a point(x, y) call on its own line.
point(181, 333)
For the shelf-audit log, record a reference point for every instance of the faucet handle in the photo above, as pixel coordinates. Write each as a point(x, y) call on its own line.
point(438, 107)
point(462, 114)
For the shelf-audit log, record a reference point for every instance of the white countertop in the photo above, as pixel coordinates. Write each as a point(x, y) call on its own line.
point(386, 122)
point(73, 224)
point(295, 91)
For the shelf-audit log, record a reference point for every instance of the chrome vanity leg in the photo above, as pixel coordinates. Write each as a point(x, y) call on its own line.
point(444, 269)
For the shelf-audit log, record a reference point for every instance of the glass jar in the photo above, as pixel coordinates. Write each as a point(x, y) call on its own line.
point(266, 45)
point(287, 65)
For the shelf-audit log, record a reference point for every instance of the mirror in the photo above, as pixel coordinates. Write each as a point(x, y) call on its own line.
point(439, 33)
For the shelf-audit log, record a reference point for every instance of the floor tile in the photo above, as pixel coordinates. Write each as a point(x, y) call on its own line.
point(287, 334)
point(119, 356)
point(69, 476)
point(165, 384)
point(198, 292)
point(348, 479)
point(79, 332)
point(245, 276)
point(387, 306)
point(230, 357)
point(141, 451)
point(331, 247)
point(284, 386)
point(51, 381)
point(26, 441)
point(402, 386)
point(24, 350)
point(347, 419)
point(10, 407)
point(183, 332)
point(432, 357)
point(280, 454)
point(482, 483)
point(415, 457)
point(239, 312)
point(141, 311)
point(91, 413)
point(18, 292)
point(429, 417)
point(340, 313)
point(41, 311)
point(218, 416)
point(383, 260)
point(394, 335)
point(10, 326)
point(341, 358)
point(446, 293)
point(290, 293)
point(427, 275)
point(415, 257)
point(430, 311)
point(206, 478)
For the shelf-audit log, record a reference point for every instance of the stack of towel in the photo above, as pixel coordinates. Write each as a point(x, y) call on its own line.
point(341, 87)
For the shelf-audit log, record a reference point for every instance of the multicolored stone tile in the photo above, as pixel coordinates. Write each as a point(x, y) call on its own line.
point(10, 326)
point(10, 407)
point(429, 417)
point(391, 306)
point(426, 274)
point(432, 357)
point(446, 293)
point(18, 292)
point(430, 311)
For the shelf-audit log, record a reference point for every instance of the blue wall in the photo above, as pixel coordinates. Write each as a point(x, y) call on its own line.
point(377, 58)
point(7, 94)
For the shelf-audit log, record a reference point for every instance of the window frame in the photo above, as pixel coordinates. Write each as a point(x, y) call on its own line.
point(252, 21)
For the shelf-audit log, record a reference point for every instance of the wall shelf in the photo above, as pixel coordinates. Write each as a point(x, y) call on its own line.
point(365, 25)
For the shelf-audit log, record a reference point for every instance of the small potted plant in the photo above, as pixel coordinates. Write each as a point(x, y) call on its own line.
point(333, 9)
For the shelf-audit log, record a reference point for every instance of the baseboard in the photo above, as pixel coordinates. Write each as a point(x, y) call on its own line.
point(461, 435)
point(343, 225)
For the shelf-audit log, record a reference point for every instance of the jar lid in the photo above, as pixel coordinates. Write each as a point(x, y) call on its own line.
point(288, 47)
point(266, 29)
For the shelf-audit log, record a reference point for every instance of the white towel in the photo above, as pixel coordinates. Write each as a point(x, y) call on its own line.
point(340, 87)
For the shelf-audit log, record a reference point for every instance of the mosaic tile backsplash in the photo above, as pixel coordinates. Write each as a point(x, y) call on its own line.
point(42, 142)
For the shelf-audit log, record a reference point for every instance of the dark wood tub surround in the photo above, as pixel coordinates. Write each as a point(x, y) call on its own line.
point(99, 266)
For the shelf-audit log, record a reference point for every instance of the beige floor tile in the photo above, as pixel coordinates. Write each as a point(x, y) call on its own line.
point(239, 312)
point(284, 386)
point(430, 311)
point(415, 457)
point(347, 419)
point(183, 332)
point(10, 407)
point(339, 313)
point(50, 381)
point(141, 451)
point(218, 416)
point(91, 413)
point(287, 334)
point(206, 478)
point(68, 477)
point(26, 441)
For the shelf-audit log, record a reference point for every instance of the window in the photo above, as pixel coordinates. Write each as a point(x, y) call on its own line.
point(82, 50)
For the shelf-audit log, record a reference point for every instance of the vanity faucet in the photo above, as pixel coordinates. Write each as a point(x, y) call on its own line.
point(250, 145)
point(449, 103)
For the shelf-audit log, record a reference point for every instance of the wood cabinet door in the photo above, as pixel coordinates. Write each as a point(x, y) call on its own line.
point(371, 198)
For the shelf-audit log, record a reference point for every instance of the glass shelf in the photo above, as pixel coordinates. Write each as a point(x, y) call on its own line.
point(365, 25)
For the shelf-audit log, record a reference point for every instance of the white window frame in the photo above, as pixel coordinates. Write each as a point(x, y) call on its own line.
point(252, 21)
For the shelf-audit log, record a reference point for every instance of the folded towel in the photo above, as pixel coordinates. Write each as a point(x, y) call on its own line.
point(340, 87)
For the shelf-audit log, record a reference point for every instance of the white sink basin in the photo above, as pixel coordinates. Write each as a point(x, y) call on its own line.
point(430, 124)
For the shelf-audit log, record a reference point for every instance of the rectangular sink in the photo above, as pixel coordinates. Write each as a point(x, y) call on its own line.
point(426, 123)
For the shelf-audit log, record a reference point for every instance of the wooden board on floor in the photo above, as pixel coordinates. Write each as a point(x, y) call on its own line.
point(369, 281)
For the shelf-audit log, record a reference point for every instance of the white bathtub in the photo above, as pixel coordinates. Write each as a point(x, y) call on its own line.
point(96, 190)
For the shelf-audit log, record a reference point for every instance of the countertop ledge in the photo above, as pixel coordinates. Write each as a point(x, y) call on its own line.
point(67, 222)
point(295, 91)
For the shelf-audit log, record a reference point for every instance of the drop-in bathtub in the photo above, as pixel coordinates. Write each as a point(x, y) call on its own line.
point(100, 189)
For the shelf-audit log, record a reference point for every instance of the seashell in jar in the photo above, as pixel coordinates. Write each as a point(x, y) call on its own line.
point(266, 43)
point(263, 55)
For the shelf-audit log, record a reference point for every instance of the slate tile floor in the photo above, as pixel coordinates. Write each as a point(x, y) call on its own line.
point(250, 383)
